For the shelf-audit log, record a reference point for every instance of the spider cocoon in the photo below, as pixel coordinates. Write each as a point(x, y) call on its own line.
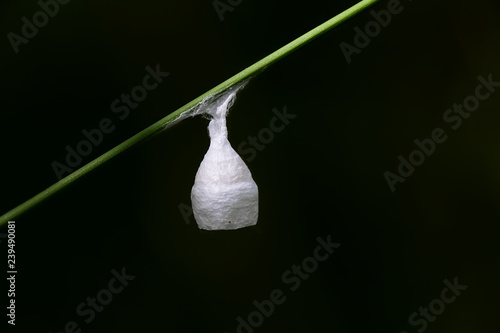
point(224, 195)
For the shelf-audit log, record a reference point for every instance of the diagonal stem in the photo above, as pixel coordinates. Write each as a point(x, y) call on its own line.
point(169, 119)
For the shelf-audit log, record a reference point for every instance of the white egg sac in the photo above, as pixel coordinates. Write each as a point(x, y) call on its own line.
point(224, 195)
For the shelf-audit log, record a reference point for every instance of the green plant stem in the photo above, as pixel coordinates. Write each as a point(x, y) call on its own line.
point(164, 122)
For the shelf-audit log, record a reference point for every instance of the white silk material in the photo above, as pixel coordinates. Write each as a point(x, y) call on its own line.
point(224, 195)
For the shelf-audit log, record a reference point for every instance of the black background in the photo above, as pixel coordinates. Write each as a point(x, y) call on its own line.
point(322, 175)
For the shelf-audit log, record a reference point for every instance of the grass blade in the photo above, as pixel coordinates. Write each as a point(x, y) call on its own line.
point(169, 119)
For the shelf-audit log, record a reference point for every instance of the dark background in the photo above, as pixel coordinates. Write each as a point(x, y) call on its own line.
point(322, 175)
